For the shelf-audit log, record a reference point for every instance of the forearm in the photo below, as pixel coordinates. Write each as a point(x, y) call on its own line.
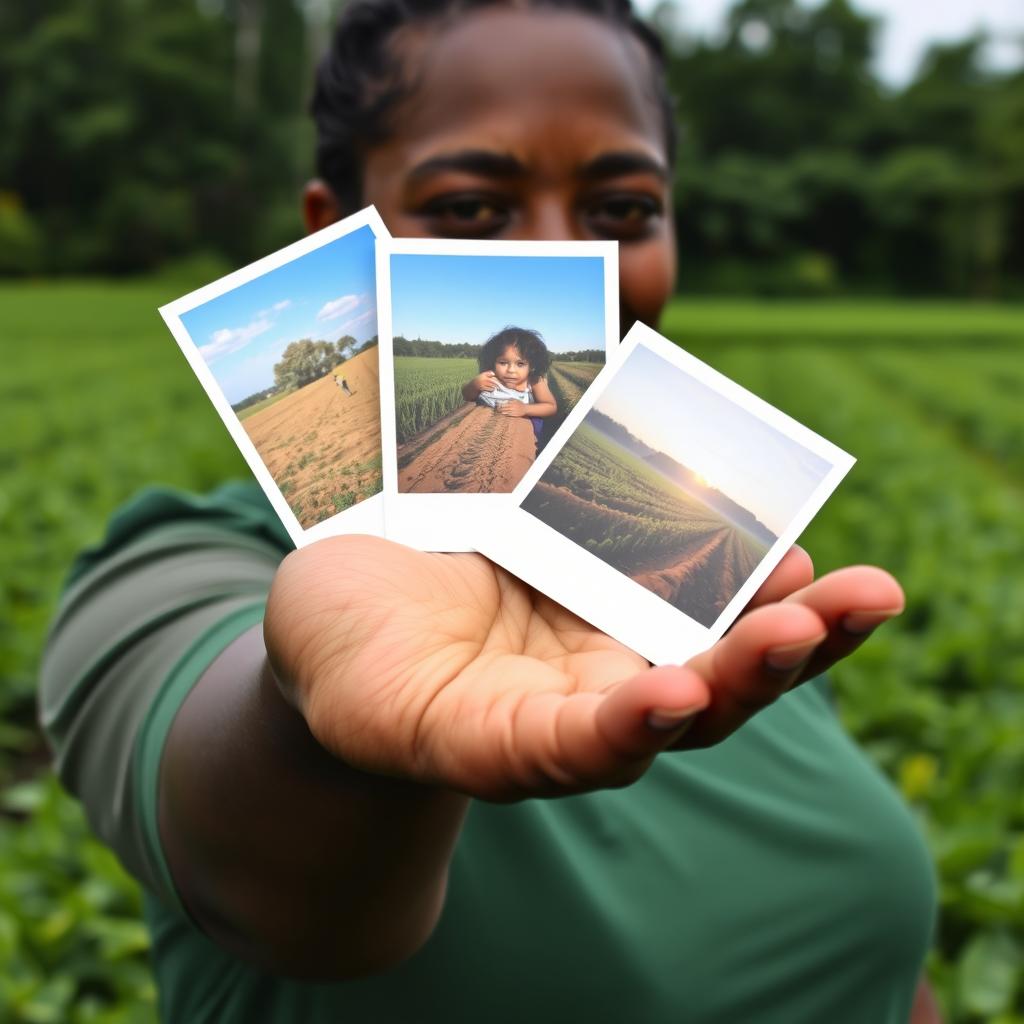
point(470, 391)
point(283, 853)
point(542, 410)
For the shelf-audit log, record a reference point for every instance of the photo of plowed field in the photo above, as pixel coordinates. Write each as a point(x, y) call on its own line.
point(474, 451)
point(321, 446)
point(632, 515)
point(447, 445)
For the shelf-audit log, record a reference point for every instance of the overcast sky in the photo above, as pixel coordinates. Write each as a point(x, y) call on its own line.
point(909, 27)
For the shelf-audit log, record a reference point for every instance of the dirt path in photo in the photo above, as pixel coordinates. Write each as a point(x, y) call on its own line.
point(480, 452)
point(321, 446)
point(667, 580)
point(699, 584)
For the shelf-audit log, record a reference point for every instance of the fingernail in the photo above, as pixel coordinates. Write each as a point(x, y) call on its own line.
point(859, 623)
point(787, 659)
point(664, 720)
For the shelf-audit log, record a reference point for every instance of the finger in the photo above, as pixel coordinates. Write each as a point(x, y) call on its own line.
point(591, 740)
point(762, 657)
point(852, 602)
point(796, 570)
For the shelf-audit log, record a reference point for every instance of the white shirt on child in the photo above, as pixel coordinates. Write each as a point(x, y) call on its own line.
point(503, 394)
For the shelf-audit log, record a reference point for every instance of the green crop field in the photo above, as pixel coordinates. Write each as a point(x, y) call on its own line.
point(427, 390)
point(617, 506)
point(568, 381)
point(96, 402)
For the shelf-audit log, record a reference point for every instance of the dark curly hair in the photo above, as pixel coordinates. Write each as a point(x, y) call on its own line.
point(530, 344)
point(359, 80)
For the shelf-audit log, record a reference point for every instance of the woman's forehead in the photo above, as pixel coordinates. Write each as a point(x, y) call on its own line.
point(507, 78)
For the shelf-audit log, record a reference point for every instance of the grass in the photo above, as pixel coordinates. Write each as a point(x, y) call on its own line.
point(871, 321)
point(96, 401)
point(251, 410)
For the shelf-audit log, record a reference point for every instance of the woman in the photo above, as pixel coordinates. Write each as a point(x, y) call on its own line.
point(333, 800)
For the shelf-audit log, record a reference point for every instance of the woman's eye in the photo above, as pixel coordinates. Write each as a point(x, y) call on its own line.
point(624, 217)
point(465, 216)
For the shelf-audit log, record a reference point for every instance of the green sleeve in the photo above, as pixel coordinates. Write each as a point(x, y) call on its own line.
point(175, 581)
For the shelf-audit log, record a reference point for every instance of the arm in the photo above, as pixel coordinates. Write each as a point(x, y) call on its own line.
point(427, 676)
point(485, 381)
point(281, 852)
point(544, 403)
point(288, 803)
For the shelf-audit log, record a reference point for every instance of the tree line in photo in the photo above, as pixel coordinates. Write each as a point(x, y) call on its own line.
point(799, 172)
point(401, 346)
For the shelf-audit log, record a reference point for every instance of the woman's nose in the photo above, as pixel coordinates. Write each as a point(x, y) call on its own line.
point(551, 218)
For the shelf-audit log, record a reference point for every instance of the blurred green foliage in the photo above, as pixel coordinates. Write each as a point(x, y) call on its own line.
point(99, 402)
point(800, 174)
point(134, 132)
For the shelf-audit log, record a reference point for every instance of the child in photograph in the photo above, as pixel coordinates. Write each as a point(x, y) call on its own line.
point(513, 363)
point(333, 769)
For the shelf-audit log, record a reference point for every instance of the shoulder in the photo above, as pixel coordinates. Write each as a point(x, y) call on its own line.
point(231, 513)
point(175, 579)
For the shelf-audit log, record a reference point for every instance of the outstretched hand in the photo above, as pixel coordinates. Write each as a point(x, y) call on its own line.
point(448, 670)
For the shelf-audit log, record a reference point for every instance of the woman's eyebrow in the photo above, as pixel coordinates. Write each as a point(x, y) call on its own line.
point(614, 165)
point(471, 161)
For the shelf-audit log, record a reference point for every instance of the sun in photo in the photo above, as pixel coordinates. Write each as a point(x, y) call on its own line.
point(633, 486)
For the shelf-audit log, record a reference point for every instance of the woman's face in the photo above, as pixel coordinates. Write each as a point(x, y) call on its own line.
point(512, 369)
point(531, 124)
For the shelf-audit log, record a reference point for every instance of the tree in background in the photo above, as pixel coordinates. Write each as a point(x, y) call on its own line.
point(806, 175)
point(303, 362)
point(133, 132)
point(125, 141)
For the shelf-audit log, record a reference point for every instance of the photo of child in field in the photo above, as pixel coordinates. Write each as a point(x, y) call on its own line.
point(490, 354)
point(512, 379)
point(294, 352)
point(675, 486)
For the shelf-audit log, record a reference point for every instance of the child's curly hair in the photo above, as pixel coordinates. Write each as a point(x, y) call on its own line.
point(530, 344)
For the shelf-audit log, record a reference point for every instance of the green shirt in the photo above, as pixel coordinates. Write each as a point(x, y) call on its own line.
point(776, 877)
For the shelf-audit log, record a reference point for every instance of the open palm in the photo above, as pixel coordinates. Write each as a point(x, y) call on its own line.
point(447, 670)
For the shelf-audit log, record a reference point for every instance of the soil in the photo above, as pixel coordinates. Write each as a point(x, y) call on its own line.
point(321, 446)
point(698, 582)
point(700, 579)
point(475, 450)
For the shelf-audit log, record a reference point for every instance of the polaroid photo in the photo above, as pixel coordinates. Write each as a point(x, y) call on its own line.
point(286, 349)
point(668, 496)
point(486, 347)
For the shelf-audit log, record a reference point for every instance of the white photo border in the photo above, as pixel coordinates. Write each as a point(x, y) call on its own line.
point(602, 595)
point(438, 522)
point(366, 516)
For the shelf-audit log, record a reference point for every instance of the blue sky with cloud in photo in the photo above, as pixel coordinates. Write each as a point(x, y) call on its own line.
point(466, 299)
point(747, 459)
point(323, 295)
